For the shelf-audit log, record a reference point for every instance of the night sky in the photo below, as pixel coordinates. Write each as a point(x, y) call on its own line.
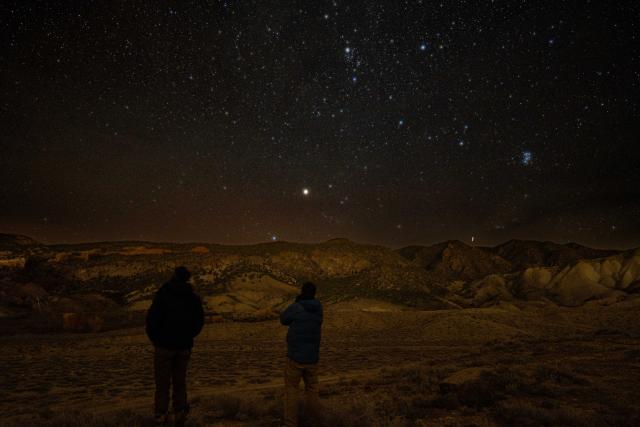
point(390, 122)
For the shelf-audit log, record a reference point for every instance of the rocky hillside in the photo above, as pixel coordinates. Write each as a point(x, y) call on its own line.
point(603, 281)
point(110, 284)
point(16, 242)
point(523, 254)
point(454, 260)
point(236, 282)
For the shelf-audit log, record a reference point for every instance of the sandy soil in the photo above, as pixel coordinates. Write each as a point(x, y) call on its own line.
point(386, 366)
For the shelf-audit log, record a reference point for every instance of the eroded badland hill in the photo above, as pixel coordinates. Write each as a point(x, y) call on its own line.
point(524, 333)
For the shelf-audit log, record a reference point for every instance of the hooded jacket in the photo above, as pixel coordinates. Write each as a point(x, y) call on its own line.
point(175, 317)
point(304, 318)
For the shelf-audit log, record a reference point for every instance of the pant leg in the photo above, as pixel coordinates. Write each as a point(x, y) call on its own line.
point(162, 375)
point(312, 400)
point(179, 380)
point(292, 375)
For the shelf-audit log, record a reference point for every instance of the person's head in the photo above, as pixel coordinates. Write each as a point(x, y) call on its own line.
point(181, 274)
point(308, 290)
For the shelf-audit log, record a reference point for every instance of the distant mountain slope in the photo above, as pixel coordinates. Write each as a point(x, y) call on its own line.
point(254, 282)
point(454, 260)
point(12, 241)
point(528, 253)
point(240, 282)
point(457, 260)
point(602, 280)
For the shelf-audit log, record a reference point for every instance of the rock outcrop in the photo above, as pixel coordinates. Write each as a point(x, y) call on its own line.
point(255, 282)
point(606, 280)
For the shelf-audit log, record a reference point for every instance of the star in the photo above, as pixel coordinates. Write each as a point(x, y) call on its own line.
point(246, 114)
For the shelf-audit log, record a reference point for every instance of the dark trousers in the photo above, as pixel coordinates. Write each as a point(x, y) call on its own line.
point(170, 367)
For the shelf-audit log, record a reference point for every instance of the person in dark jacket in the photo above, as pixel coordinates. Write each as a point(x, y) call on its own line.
point(174, 319)
point(304, 319)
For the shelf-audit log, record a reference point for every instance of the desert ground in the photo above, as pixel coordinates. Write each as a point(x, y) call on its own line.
point(525, 333)
point(507, 365)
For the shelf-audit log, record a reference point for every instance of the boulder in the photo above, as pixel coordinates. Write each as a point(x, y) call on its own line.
point(82, 322)
point(71, 322)
point(459, 378)
point(94, 323)
point(473, 387)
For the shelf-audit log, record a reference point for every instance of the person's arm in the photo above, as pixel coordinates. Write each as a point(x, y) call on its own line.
point(154, 318)
point(288, 316)
point(198, 317)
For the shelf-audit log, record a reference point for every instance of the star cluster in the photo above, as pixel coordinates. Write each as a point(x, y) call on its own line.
point(389, 122)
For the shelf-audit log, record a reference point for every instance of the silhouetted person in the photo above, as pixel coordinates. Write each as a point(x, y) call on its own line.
point(174, 319)
point(304, 319)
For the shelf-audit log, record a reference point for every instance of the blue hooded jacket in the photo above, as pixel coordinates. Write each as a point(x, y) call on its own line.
point(304, 319)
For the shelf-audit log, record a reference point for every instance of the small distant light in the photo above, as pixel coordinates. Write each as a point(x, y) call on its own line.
point(305, 191)
point(274, 238)
point(423, 46)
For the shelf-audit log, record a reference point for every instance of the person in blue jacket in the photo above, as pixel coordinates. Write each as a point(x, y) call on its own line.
point(304, 319)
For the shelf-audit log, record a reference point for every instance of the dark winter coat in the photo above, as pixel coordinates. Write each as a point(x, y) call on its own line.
point(175, 317)
point(304, 318)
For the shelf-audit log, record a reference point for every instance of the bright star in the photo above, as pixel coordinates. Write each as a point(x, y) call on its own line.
point(305, 191)
point(527, 158)
point(423, 46)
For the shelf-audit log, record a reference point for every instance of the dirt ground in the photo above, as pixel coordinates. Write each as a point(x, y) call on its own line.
point(526, 366)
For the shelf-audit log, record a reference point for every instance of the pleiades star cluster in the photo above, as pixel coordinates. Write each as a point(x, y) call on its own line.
point(393, 122)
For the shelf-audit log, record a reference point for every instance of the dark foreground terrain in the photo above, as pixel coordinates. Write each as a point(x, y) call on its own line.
point(512, 364)
point(525, 333)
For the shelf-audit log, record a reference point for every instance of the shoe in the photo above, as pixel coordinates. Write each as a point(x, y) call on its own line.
point(161, 420)
point(180, 417)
